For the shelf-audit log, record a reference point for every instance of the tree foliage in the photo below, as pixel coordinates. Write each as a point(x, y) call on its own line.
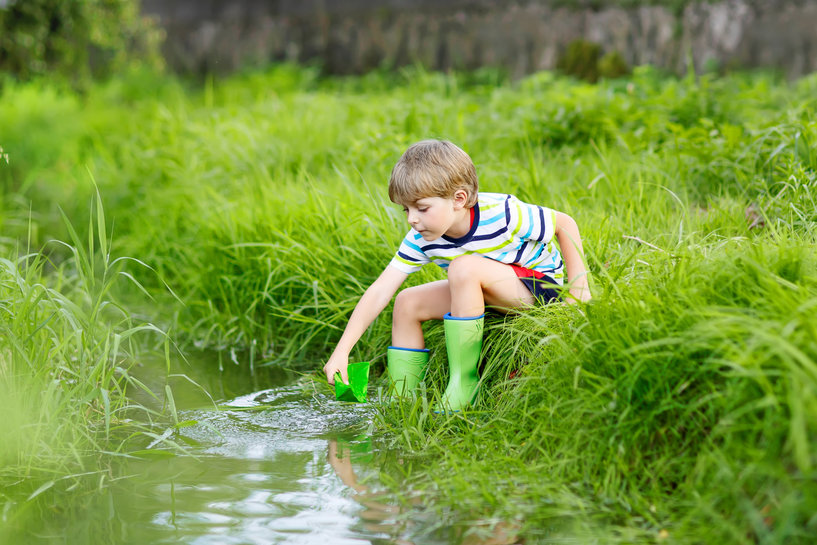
point(76, 38)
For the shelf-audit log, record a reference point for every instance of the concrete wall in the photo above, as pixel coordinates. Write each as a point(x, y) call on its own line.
point(352, 36)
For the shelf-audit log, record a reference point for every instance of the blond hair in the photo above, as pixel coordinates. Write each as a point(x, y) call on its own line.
point(433, 168)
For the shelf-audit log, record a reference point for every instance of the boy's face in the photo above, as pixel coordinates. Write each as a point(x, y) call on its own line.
point(434, 217)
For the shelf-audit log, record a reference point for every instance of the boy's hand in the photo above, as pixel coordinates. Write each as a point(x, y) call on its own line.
point(579, 295)
point(337, 364)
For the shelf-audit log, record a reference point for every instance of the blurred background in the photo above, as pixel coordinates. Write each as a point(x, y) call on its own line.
point(354, 36)
point(589, 38)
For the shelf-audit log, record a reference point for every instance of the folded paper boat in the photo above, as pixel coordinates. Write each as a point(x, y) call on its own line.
point(358, 381)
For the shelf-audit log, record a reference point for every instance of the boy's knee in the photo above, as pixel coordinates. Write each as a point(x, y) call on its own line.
point(405, 305)
point(465, 268)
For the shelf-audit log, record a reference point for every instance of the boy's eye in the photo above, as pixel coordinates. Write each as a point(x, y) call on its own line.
point(423, 209)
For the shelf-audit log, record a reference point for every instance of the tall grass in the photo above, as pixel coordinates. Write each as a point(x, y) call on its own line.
point(680, 398)
point(248, 196)
point(66, 352)
point(682, 402)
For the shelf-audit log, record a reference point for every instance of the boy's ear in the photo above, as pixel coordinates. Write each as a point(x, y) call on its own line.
point(460, 198)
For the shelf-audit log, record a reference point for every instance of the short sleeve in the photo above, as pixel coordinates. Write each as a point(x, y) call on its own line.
point(409, 257)
point(532, 222)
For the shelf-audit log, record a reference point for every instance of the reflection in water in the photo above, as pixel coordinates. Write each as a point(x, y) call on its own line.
point(378, 516)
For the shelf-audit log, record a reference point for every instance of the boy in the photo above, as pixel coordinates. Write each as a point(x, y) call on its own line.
point(457, 228)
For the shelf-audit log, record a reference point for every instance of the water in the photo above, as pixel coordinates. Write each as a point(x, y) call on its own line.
point(280, 465)
point(286, 464)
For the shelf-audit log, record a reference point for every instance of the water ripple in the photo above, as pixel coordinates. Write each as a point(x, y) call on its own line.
point(260, 475)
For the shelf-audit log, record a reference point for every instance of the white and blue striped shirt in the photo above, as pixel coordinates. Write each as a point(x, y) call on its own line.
point(504, 229)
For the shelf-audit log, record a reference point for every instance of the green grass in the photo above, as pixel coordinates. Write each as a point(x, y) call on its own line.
point(680, 400)
point(66, 389)
point(684, 401)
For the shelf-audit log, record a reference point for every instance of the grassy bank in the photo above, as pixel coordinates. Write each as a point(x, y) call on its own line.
point(245, 195)
point(66, 388)
point(679, 403)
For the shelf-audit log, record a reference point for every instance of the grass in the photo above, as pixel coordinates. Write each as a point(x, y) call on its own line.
point(685, 401)
point(66, 350)
point(678, 405)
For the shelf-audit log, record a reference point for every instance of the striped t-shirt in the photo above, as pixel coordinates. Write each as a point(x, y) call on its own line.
point(504, 229)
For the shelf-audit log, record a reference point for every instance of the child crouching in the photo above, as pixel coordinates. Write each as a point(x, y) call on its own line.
point(496, 250)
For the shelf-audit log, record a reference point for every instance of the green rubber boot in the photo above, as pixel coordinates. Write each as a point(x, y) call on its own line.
point(407, 368)
point(463, 340)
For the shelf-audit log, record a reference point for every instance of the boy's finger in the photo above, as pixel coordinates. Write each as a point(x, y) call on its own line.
point(340, 377)
point(344, 376)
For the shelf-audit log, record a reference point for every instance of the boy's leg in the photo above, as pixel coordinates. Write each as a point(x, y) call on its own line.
point(416, 305)
point(473, 281)
point(407, 358)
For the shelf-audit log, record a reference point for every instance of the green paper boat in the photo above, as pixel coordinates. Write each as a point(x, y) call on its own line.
point(358, 380)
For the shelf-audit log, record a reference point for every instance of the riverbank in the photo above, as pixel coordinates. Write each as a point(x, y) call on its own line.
point(681, 397)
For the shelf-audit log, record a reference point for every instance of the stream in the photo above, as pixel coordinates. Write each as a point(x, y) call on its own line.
point(285, 463)
point(281, 465)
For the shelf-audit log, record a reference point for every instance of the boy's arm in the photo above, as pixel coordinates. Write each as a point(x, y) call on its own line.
point(570, 242)
point(373, 301)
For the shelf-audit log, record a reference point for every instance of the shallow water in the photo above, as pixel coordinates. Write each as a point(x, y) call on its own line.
point(287, 464)
point(261, 472)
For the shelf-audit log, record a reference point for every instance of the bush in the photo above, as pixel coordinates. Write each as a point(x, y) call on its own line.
point(581, 60)
point(612, 65)
point(584, 60)
point(75, 39)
